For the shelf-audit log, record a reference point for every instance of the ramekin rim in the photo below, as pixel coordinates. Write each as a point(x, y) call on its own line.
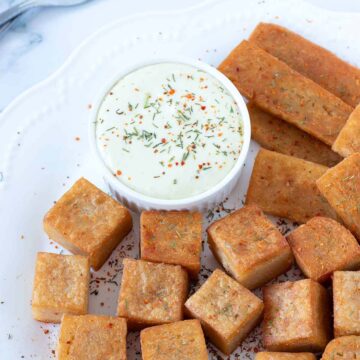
point(126, 191)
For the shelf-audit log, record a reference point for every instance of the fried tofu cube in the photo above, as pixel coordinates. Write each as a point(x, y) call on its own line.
point(172, 237)
point(340, 186)
point(92, 337)
point(152, 293)
point(61, 286)
point(227, 310)
point(265, 355)
point(346, 295)
point(181, 340)
point(296, 317)
point(322, 246)
point(86, 221)
point(249, 247)
point(342, 348)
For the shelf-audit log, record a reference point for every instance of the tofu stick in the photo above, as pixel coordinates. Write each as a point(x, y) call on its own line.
point(348, 140)
point(285, 186)
point(310, 60)
point(277, 135)
point(340, 185)
point(275, 87)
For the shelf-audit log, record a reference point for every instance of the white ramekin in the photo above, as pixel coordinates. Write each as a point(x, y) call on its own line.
point(200, 202)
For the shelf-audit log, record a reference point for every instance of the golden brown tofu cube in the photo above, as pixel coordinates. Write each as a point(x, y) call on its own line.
point(340, 185)
point(296, 317)
point(266, 355)
point(348, 140)
point(346, 293)
point(181, 340)
point(172, 237)
point(92, 337)
point(86, 221)
point(61, 286)
point(151, 293)
point(285, 186)
point(249, 247)
point(226, 309)
point(322, 246)
point(342, 348)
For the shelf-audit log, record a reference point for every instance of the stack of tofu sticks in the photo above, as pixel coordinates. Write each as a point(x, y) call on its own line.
point(303, 105)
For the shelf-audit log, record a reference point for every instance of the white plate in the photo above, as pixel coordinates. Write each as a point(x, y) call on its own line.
point(40, 157)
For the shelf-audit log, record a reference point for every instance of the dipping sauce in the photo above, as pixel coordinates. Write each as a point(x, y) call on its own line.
point(169, 131)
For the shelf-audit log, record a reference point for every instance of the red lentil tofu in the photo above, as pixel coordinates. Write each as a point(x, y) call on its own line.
point(266, 355)
point(61, 286)
point(311, 60)
point(249, 247)
point(94, 337)
point(275, 134)
point(227, 310)
point(86, 221)
point(151, 293)
point(340, 186)
point(180, 340)
point(342, 348)
point(322, 246)
point(346, 295)
point(348, 140)
point(172, 237)
point(285, 186)
point(277, 88)
point(296, 317)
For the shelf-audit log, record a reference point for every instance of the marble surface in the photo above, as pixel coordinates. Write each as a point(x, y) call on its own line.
point(40, 41)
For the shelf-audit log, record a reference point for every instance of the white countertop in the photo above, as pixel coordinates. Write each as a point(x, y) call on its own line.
point(41, 41)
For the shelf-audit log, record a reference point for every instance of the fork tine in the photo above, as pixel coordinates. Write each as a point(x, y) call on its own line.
point(4, 28)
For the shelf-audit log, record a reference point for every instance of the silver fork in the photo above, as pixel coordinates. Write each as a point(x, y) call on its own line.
point(25, 5)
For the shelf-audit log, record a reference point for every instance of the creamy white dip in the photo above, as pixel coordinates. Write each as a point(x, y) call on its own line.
point(169, 131)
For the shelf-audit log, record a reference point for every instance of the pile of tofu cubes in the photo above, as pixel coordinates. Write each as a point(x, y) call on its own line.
point(153, 298)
